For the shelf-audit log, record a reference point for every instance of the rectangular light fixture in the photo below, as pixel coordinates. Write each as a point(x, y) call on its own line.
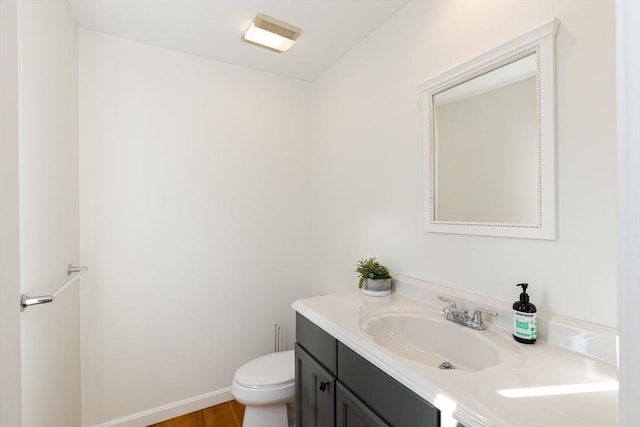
point(271, 33)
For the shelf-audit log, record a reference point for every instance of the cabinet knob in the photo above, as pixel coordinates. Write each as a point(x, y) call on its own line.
point(324, 386)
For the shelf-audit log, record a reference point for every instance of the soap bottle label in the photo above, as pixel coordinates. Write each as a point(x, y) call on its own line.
point(525, 325)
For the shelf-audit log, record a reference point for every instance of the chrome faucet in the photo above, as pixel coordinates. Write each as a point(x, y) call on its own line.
point(461, 316)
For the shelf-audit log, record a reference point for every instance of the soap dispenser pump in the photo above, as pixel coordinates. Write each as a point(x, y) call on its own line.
point(525, 319)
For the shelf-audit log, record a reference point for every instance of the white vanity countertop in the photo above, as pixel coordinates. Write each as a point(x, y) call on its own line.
point(473, 398)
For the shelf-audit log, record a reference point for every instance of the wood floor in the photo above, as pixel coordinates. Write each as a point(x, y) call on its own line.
point(228, 414)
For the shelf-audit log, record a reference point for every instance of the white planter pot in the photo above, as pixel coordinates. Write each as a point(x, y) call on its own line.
point(377, 287)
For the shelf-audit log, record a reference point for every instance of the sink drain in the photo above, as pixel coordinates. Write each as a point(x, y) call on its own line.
point(446, 365)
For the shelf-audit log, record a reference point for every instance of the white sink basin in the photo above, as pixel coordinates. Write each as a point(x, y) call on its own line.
point(431, 339)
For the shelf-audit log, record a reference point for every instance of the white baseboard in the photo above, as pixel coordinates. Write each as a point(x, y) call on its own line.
point(171, 410)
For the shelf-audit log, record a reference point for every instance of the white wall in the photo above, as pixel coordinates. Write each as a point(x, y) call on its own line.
point(195, 223)
point(10, 390)
point(48, 173)
point(367, 158)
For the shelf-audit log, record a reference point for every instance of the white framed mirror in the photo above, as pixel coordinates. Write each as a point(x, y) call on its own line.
point(489, 142)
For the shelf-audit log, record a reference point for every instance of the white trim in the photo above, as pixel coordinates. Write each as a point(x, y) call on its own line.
point(172, 410)
point(541, 42)
point(628, 104)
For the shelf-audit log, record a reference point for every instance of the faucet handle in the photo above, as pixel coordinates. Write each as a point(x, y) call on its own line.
point(452, 303)
point(477, 322)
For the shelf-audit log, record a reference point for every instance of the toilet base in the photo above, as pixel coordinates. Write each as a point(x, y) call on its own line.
point(265, 416)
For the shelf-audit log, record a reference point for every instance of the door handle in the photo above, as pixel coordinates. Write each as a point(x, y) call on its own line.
point(324, 386)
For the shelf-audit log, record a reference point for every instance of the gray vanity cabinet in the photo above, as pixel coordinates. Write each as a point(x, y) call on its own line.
point(316, 372)
point(396, 403)
point(315, 392)
point(337, 387)
point(352, 412)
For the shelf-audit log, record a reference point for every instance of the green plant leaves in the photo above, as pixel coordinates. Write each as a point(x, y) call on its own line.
point(370, 268)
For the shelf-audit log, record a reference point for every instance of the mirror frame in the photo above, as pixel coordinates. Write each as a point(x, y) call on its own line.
point(541, 42)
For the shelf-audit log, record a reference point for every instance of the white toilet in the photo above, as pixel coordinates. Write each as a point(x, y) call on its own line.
point(265, 385)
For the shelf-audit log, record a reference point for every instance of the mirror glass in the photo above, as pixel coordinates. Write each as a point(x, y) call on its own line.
point(485, 147)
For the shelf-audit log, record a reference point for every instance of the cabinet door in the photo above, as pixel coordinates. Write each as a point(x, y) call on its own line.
point(315, 392)
point(352, 412)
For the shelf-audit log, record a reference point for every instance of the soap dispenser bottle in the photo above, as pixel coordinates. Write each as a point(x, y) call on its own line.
point(525, 319)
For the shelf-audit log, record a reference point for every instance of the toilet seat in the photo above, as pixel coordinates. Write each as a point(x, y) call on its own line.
point(263, 395)
point(268, 371)
point(267, 380)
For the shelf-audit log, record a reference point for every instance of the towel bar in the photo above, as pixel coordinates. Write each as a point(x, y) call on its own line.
point(72, 270)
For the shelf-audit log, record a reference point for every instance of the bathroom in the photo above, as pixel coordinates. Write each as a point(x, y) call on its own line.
point(207, 197)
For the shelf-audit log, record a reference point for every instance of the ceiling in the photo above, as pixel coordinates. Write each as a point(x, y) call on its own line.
point(212, 28)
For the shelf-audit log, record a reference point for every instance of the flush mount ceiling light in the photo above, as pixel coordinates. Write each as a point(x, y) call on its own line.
point(271, 33)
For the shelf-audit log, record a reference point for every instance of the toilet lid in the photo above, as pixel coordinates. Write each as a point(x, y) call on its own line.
point(268, 370)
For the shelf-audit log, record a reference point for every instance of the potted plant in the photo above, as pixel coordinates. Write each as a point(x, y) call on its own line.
point(375, 279)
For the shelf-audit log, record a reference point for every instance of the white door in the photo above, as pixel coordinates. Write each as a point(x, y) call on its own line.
point(40, 347)
point(628, 68)
point(10, 390)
